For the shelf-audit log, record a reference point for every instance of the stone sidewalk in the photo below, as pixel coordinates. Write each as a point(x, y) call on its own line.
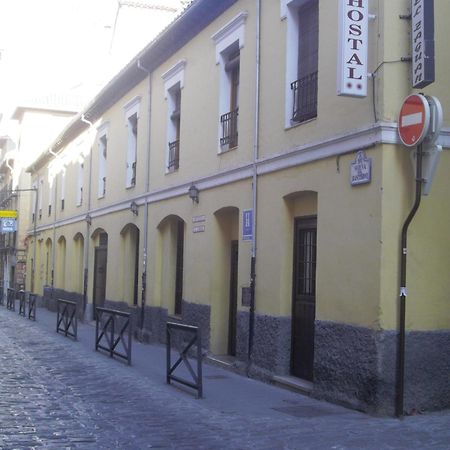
point(58, 393)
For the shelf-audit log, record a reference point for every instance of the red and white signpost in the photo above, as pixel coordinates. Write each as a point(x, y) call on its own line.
point(414, 120)
point(420, 120)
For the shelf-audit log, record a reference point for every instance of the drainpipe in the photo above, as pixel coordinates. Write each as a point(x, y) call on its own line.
point(33, 266)
point(403, 291)
point(8, 256)
point(52, 282)
point(88, 226)
point(251, 324)
point(147, 188)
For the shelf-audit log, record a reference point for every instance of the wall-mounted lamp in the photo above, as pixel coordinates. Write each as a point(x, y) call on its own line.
point(88, 219)
point(134, 208)
point(193, 193)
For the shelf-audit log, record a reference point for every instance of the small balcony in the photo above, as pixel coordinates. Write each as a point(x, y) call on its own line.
point(229, 124)
point(304, 91)
point(174, 156)
point(133, 174)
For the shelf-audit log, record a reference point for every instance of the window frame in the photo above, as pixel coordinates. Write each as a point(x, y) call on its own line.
point(228, 40)
point(80, 184)
point(102, 139)
point(290, 12)
point(131, 110)
point(173, 86)
point(63, 188)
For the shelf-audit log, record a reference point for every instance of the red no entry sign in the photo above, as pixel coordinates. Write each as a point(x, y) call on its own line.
point(413, 120)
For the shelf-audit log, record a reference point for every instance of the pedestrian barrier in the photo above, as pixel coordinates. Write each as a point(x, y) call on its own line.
point(197, 378)
point(22, 303)
point(32, 306)
point(66, 319)
point(108, 321)
point(11, 299)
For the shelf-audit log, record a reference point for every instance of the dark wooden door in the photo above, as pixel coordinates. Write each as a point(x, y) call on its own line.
point(304, 297)
point(233, 298)
point(136, 269)
point(179, 267)
point(101, 257)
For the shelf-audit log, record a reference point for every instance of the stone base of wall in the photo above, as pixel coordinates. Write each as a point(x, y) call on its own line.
point(271, 352)
point(198, 316)
point(151, 325)
point(357, 367)
point(353, 365)
point(52, 294)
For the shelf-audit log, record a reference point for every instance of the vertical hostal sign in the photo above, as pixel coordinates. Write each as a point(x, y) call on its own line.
point(352, 54)
point(422, 35)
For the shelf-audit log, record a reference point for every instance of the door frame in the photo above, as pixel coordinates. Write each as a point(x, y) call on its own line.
point(302, 222)
point(94, 297)
point(233, 297)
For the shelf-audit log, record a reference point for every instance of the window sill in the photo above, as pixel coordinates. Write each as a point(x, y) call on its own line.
point(175, 317)
point(297, 124)
point(226, 149)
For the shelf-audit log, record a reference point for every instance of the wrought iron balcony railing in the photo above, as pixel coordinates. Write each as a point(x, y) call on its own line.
point(229, 123)
point(174, 155)
point(304, 91)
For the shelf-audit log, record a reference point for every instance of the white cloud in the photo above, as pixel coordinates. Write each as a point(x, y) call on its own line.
point(50, 46)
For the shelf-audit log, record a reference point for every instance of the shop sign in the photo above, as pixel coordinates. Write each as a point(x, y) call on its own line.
point(198, 219)
point(352, 55)
point(198, 229)
point(8, 225)
point(361, 169)
point(422, 35)
point(8, 213)
point(247, 224)
point(246, 296)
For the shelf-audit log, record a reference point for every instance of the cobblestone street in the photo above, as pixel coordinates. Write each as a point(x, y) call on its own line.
point(59, 394)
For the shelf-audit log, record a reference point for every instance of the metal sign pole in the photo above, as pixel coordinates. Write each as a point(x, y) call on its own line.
point(403, 291)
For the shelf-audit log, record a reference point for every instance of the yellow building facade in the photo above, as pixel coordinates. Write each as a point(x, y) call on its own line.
point(210, 182)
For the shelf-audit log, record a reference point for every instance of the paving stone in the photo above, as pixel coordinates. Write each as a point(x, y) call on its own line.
point(56, 393)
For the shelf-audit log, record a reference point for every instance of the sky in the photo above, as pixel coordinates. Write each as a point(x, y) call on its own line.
point(51, 47)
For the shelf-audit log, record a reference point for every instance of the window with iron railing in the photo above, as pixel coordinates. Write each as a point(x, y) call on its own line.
point(132, 150)
point(229, 124)
point(174, 155)
point(229, 120)
point(304, 91)
point(302, 61)
point(133, 174)
point(80, 183)
point(103, 151)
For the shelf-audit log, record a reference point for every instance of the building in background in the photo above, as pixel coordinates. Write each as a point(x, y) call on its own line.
point(34, 126)
point(35, 105)
point(220, 180)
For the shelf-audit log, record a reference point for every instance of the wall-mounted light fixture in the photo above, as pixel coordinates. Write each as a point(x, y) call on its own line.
point(193, 193)
point(134, 208)
point(88, 219)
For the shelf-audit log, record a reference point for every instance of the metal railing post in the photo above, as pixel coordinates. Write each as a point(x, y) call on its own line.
point(107, 331)
point(197, 378)
point(68, 317)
